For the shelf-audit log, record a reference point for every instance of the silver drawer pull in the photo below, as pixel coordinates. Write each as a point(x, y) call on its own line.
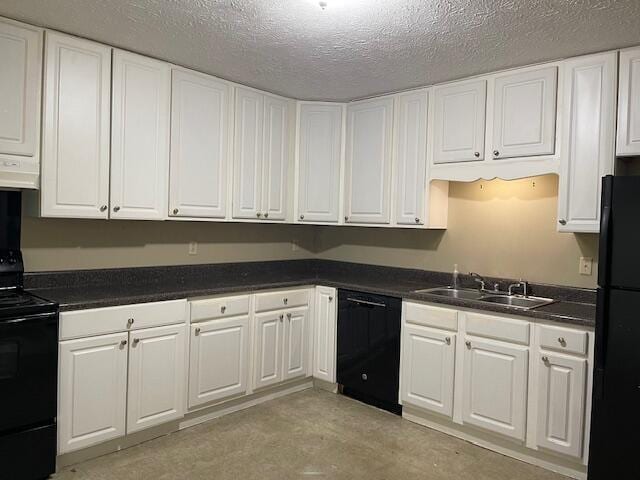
point(130, 322)
point(123, 343)
point(281, 317)
point(285, 300)
point(468, 344)
point(198, 331)
point(448, 340)
point(562, 341)
point(545, 359)
point(136, 341)
point(223, 309)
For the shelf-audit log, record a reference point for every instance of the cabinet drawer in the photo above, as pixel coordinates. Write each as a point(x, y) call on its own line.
point(283, 299)
point(500, 328)
point(98, 321)
point(219, 308)
point(563, 339)
point(429, 316)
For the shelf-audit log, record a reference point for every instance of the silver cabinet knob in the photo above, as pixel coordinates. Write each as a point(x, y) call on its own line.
point(545, 359)
point(281, 317)
point(301, 217)
point(346, 218)
point(197, 332)
point(562, 341)
point(123, 343)
point(417, 220)
point(258, 214)
point(103, 208)
point(476, 154)
point(289, 316)
point(116, 209)
point(136, 341)
point(285, 300)
point(130, 322)
point(266, 214)
point(496, 153)
point(364, 376)
point(448, 340)
point(331, 299)
point(223, 309)
point(468, 344)
point(562, 221)
point(175, 211)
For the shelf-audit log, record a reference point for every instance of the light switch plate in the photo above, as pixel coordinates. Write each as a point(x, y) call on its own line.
point(193, 248)
point(586, 265)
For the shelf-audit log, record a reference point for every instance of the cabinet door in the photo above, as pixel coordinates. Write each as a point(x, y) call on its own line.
point(296, 343)
point(410, 157)
point(524, 117)
point(199, 145)
point(495, 386)
point(629, 103)
point(319, 161)
point(368, 161)
point(75, 138)
point(247, 154)
point(588, 143)
point(459, 122)
point(156, 377)
point(562, 385)
point(92, 391)
point(325, 323)
point(268, 349)
point(140, 137)
point(275, 154)
point(218, 359)
point(20, 57)
point(428, 366)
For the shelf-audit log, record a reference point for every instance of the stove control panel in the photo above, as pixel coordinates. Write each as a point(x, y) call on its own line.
point(11, 262)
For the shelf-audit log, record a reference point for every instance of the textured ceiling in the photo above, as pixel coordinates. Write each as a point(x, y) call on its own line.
point(353, 48)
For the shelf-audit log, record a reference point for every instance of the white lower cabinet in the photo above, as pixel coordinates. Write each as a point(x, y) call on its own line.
point(428, 366)
point(218, 359)
point(296, 341)
point(324, 334)
point(268, 348)
point(495, 386)
point(561, 403)
point(156, 377)
point(92, 391)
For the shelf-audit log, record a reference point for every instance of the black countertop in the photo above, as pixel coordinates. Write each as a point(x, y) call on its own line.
point(83, 289)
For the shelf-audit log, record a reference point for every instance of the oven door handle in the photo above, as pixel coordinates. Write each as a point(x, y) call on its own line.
point(29, 318)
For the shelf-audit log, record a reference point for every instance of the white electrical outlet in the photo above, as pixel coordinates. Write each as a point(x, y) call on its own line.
point(586, 265)
point(193, 248)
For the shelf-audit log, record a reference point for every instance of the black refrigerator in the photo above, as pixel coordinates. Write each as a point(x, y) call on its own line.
point(614, 451)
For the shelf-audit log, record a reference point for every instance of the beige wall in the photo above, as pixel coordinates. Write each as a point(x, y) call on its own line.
point(499, 228)
point(61, 244)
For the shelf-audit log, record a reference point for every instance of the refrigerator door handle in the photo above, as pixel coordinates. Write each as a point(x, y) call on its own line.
point(600, 343)
point(605, 228)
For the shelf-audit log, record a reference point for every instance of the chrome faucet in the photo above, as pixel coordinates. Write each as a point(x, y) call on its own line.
point(482, 282)
point(522, 283)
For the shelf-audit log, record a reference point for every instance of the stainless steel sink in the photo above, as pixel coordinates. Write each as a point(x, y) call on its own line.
point(465, 293)
point(514, 301)
point(518, 302)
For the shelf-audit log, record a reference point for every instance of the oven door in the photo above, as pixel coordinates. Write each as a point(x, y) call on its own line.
point(28, 370)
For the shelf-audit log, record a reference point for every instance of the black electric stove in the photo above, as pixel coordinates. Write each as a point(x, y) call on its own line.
point(28, 361)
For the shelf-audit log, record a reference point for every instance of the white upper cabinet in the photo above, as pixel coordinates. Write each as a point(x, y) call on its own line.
point(20, 85)
point(561, 403)
point(524, 113)
point(260, 156)
point(588, 140)
point(140, 137)
point(319, 161)
point(19, 88)
point(629, 103)
point(459, 122)
point(368, 161)
point(75, 138)
point(495, 386)
point(247, 154)
point(200, 154)
point(157, 373)
point(410, 157)
point(275, 152)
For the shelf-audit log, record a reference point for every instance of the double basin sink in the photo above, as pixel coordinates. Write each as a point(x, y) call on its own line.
point(518, 302)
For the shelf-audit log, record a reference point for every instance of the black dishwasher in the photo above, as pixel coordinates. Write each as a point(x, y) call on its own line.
point(369, 348)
